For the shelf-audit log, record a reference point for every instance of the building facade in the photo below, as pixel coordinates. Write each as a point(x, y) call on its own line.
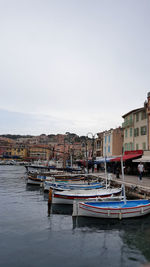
point(19, 151)
point(112, 142)
point(40, 152)
point(135, 130)
point(99, 145)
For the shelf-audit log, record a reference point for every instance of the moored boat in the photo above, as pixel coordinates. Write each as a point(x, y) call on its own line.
point(113, 209)
point(37, 180)
point(67, 197)
point(61, 186)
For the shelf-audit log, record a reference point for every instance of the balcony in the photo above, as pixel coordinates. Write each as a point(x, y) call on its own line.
point(127, 123)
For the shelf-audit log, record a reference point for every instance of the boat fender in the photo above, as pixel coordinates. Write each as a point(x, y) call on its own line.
point(142, 210)
point(120, 215)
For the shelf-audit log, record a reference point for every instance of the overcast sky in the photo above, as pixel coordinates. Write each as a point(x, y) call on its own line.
point(72, 65)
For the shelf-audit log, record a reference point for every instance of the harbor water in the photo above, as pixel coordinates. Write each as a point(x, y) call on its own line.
point(33, 234)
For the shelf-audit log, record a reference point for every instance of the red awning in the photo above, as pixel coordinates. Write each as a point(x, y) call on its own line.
point(127, 157)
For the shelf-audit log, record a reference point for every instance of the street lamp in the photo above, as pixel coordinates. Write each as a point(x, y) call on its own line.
point(93, 139)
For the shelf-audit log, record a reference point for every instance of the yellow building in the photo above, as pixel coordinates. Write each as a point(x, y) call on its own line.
point(18, 151)
point(135, 130)
point(40, 152)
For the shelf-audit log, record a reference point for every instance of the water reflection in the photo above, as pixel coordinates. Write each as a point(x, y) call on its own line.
point(59, 209)
point(109, 224)
point(33, 188)
point(135, 232)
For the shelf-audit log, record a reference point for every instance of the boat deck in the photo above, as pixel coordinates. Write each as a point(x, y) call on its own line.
point(118, 204)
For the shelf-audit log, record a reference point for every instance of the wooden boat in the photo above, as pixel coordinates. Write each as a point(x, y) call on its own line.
point(67, 197)
point(38, 180)
point(61, 186)
point(113, 209)
point(57, 177)
point(34, 181)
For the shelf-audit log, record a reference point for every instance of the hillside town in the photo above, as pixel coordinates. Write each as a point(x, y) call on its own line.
point(132, 139)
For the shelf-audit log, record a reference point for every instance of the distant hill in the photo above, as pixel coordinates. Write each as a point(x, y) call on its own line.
point(15, 136)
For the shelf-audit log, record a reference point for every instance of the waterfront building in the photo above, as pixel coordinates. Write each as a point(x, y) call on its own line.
point(148, 120)
point(5, 147)
point(60, 150)
point(85, 149)
point(19, 151)
point(40, 152)
point(76, 149)
point(99, 145)
point(135, 129)
point(112, 142)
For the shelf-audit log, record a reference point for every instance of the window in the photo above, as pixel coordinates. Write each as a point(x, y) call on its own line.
point(105, 139)
point(126, 133)
point(137, 116)
point(137, 146)
point(143, 115)
point(130, 146)
point(98, 144)
point(108, 149)
point(127, 147)
point(143, 130)
point(136, 132)
point(144, 146)
point(130, 132)
point(109, 138)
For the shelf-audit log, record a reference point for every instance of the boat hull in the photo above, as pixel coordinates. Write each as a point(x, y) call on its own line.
point(135, 209)
point(70, 186)
point(31, 181)
point(67, 197)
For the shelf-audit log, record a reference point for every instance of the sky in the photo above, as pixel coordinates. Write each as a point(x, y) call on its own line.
point(72, 65)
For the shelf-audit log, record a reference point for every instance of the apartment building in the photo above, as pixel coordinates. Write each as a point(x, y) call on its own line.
point(5, 147)
point(117, 141)
point(19, 151)
point(99, 145)
point(40, 152)
point(135, 129)
point(112, 142)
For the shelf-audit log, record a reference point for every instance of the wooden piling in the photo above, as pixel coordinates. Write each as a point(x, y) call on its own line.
point(50, 196)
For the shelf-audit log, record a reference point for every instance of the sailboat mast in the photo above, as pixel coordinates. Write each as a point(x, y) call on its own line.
point(105, 171)
point(122, 169)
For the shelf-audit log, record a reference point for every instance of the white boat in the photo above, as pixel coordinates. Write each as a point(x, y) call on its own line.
point(38, 180)
point(67, 197)
point(61, 186)
point(33, 181)
point(113, 209)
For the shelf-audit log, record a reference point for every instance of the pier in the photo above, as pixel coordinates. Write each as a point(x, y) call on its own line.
point(134, 187)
